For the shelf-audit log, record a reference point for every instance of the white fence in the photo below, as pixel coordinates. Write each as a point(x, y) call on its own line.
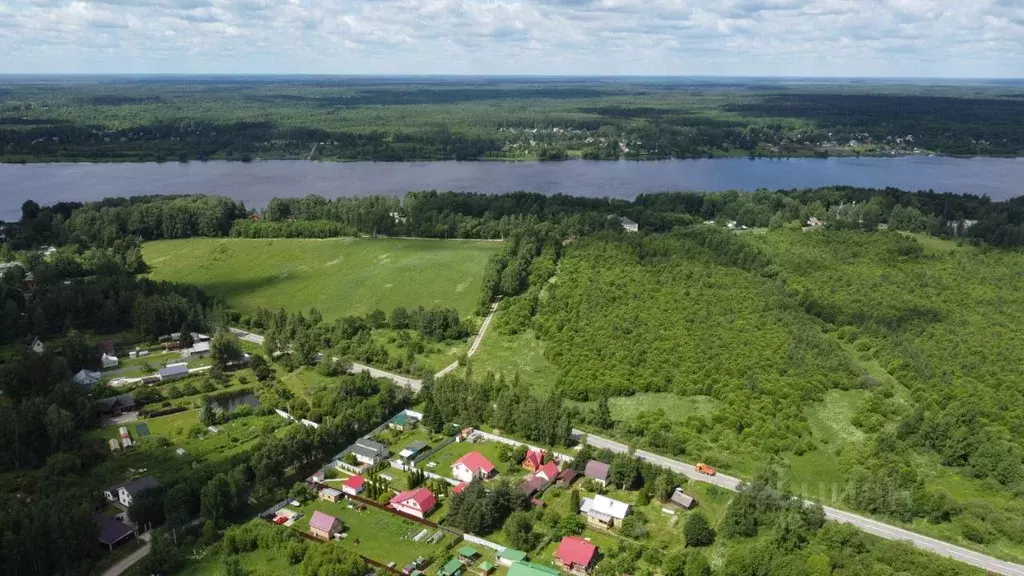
point(478, 540)
point(399, 465)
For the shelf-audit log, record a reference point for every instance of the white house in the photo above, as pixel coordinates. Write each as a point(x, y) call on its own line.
point(470, 466)
point(37, 345)
point(109, 361)
point(629, 225)
point(418, 502)
point(603, 511)
point(124, 494)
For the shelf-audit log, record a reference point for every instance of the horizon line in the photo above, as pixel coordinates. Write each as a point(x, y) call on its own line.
point(464, 75)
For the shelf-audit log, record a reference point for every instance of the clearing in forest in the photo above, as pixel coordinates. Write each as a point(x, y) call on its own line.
point(339, 276)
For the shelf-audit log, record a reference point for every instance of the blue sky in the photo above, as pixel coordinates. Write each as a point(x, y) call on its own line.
point(895, 38)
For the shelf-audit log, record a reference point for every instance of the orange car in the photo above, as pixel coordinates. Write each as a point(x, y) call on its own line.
point(705, 469)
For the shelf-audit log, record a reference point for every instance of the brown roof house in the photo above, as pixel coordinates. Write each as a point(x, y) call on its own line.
point(323, 526)
point(597, 471)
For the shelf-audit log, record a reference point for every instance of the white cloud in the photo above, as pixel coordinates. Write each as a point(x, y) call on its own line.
point(965, 38)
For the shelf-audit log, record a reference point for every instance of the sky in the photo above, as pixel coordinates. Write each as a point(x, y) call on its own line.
point(839, 38)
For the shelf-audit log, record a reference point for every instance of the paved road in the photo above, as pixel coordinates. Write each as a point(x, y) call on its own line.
point(881, 529)
point(130, 560)
point(247, 336)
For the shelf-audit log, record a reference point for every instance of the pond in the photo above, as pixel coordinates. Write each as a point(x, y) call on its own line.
point(231, 402)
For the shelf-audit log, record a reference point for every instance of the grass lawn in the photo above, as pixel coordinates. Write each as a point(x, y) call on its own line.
point(381, 536)
point(446, 457)
point(306, 381)
point(435, 356)
point(338, 276)
point(521, 354)
point(256, 562)
point(156, 453)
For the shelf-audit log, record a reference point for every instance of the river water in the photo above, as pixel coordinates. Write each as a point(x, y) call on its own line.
point(256, 183)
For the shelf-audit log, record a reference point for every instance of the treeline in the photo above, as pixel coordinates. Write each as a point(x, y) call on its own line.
point(104, 304)
point(505, 405)
point(469, 215)
point(945, 124)
point(528, 260)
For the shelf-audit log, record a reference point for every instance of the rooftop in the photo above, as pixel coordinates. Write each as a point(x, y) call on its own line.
point(322, 521)
point(597, 470)
point(475, 461)
point(604, 506)
point(575, 550)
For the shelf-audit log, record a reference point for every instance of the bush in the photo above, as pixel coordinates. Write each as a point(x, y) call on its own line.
point(975, 530)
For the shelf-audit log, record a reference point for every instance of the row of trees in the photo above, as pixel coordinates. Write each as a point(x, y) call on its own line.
point(505, 405)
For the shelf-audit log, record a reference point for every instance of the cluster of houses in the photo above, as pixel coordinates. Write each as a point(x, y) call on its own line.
point(576, 555)
point(114, 530)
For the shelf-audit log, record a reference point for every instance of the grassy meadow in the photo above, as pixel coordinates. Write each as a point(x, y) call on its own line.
point(339, 276)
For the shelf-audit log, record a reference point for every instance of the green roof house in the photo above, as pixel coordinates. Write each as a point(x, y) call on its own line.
point(468, 553)
point(531, 569)
point(509, 556)
point(485, 567)
point(451, 568)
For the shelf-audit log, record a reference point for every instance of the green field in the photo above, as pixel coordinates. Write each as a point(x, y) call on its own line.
point(339, 276)
point(447, 456)
point(521, 354)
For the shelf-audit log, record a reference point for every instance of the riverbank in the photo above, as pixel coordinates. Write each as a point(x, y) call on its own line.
point(818, 154)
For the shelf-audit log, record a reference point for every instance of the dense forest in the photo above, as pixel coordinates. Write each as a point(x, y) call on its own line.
point(756, 332)
point(447, 119)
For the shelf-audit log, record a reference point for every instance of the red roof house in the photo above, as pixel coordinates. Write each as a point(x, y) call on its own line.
point(548, 471)
point(354, 485)
point(534, 460)
point(472, 465)
point(418, 502)
point(460, 487)
point(576, 554)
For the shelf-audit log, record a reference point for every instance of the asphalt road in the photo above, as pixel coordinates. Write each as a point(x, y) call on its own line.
point(880, 529)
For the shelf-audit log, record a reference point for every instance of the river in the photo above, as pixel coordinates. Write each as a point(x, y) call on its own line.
point(256, 183)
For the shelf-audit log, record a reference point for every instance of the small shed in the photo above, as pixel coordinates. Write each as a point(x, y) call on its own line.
point(330, 494)
point(485, 568)
point(682, 500)
point(468, 553)
point(508, 556)
point(451, 568)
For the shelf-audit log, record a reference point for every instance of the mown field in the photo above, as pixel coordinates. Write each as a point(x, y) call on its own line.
point(338, 276)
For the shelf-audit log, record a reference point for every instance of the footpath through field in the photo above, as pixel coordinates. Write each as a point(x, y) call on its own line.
point(413, 384)
point(880, 529)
